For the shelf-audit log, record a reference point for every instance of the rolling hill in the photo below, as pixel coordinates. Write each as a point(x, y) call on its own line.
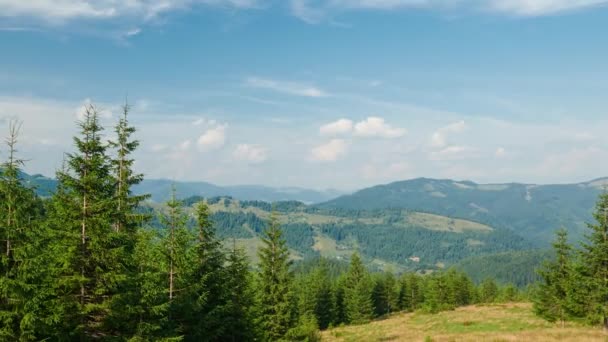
point(532, 211)
point(389, 238)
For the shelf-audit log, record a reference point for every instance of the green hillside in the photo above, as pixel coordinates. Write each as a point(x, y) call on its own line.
point(388, 239)
point(532, 211)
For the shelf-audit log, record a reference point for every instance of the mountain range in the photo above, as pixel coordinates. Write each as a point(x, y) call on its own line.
point(532, 211)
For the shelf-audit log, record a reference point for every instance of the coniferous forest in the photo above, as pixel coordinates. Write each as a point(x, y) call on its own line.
point(84, 264)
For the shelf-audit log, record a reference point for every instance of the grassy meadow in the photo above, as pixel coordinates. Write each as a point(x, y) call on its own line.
point(499, 322)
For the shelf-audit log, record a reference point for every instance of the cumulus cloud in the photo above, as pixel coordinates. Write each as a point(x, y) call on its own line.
point(330, 151)
point(341, 126)
point(439, 137)
point(250, 153)
point(377, 127)
point(291, 88)
point(213, 138)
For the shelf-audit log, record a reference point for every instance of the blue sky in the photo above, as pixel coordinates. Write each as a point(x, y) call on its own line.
point(324, 93)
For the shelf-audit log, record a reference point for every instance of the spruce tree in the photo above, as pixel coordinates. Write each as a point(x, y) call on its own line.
point(206, 299)
point(126, 220)
point(595, 260)
point(238, 322)
point(551, 300)
point(89, 249)
point(274, 283)
point(358, 292)
point(20, 211)
point(488, 291)
point(178, 259)
point(385, 294)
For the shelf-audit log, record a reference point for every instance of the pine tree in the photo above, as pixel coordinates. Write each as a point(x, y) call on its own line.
point(274, 283)
point(384, 294)
point(206, 299)
point(151, 307)
point(316, 296)
point(179, 259)
point(20, 210)
point(324, 307)
point(358, 292)
point(410, 294)
point(551, 300)
point(88, 246)
point(488, 291)
point(126, 221)
point(595, 259)
point(238, 323)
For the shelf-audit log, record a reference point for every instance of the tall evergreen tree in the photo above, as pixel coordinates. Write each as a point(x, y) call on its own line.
point(358, 292)
point(274, 283)
point(126, 220)
point(595, 260)
point(238, 322)
point(206, 299)
point(385, 294)
point(89, 248)
point(177, 248)
point(551, 300)
point(19, 213)
point(150, 308)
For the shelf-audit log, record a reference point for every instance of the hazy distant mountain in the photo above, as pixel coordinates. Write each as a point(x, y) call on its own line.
point(533, 211)
point(160, 189)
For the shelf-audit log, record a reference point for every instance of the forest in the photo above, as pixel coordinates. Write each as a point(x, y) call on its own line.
point(92, 262)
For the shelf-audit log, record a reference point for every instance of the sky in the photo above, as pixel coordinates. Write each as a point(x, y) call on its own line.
point(339, 94)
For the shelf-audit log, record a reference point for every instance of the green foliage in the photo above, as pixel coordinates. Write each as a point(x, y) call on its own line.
point(488, 291)
point(550, 301)
point(239, 322)
point(516, 267)
point(274, 284)
point(206, 297)
point(529, 212)
point(358, 292)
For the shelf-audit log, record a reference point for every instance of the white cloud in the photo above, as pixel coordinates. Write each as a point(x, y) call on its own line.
point(317, 11)
point(185, 145)
point(133, 32)
point(250, 153)
point(290, 88)
point(541, 7)
point(341, 126)
point(330, 151)
point(158, 147)
point(81, 111)
point(377, 127)
point(439, 137)
point(54, 11)
point(500, 152)
point(213, 138)
point(452, 153)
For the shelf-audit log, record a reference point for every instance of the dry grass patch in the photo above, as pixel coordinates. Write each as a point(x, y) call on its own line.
point(505, 322)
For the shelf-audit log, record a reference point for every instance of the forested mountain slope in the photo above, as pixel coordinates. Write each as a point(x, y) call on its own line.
point(532, 211)
point(388, 238)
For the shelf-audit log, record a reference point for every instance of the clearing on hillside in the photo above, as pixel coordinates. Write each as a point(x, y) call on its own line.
point(499, 322)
